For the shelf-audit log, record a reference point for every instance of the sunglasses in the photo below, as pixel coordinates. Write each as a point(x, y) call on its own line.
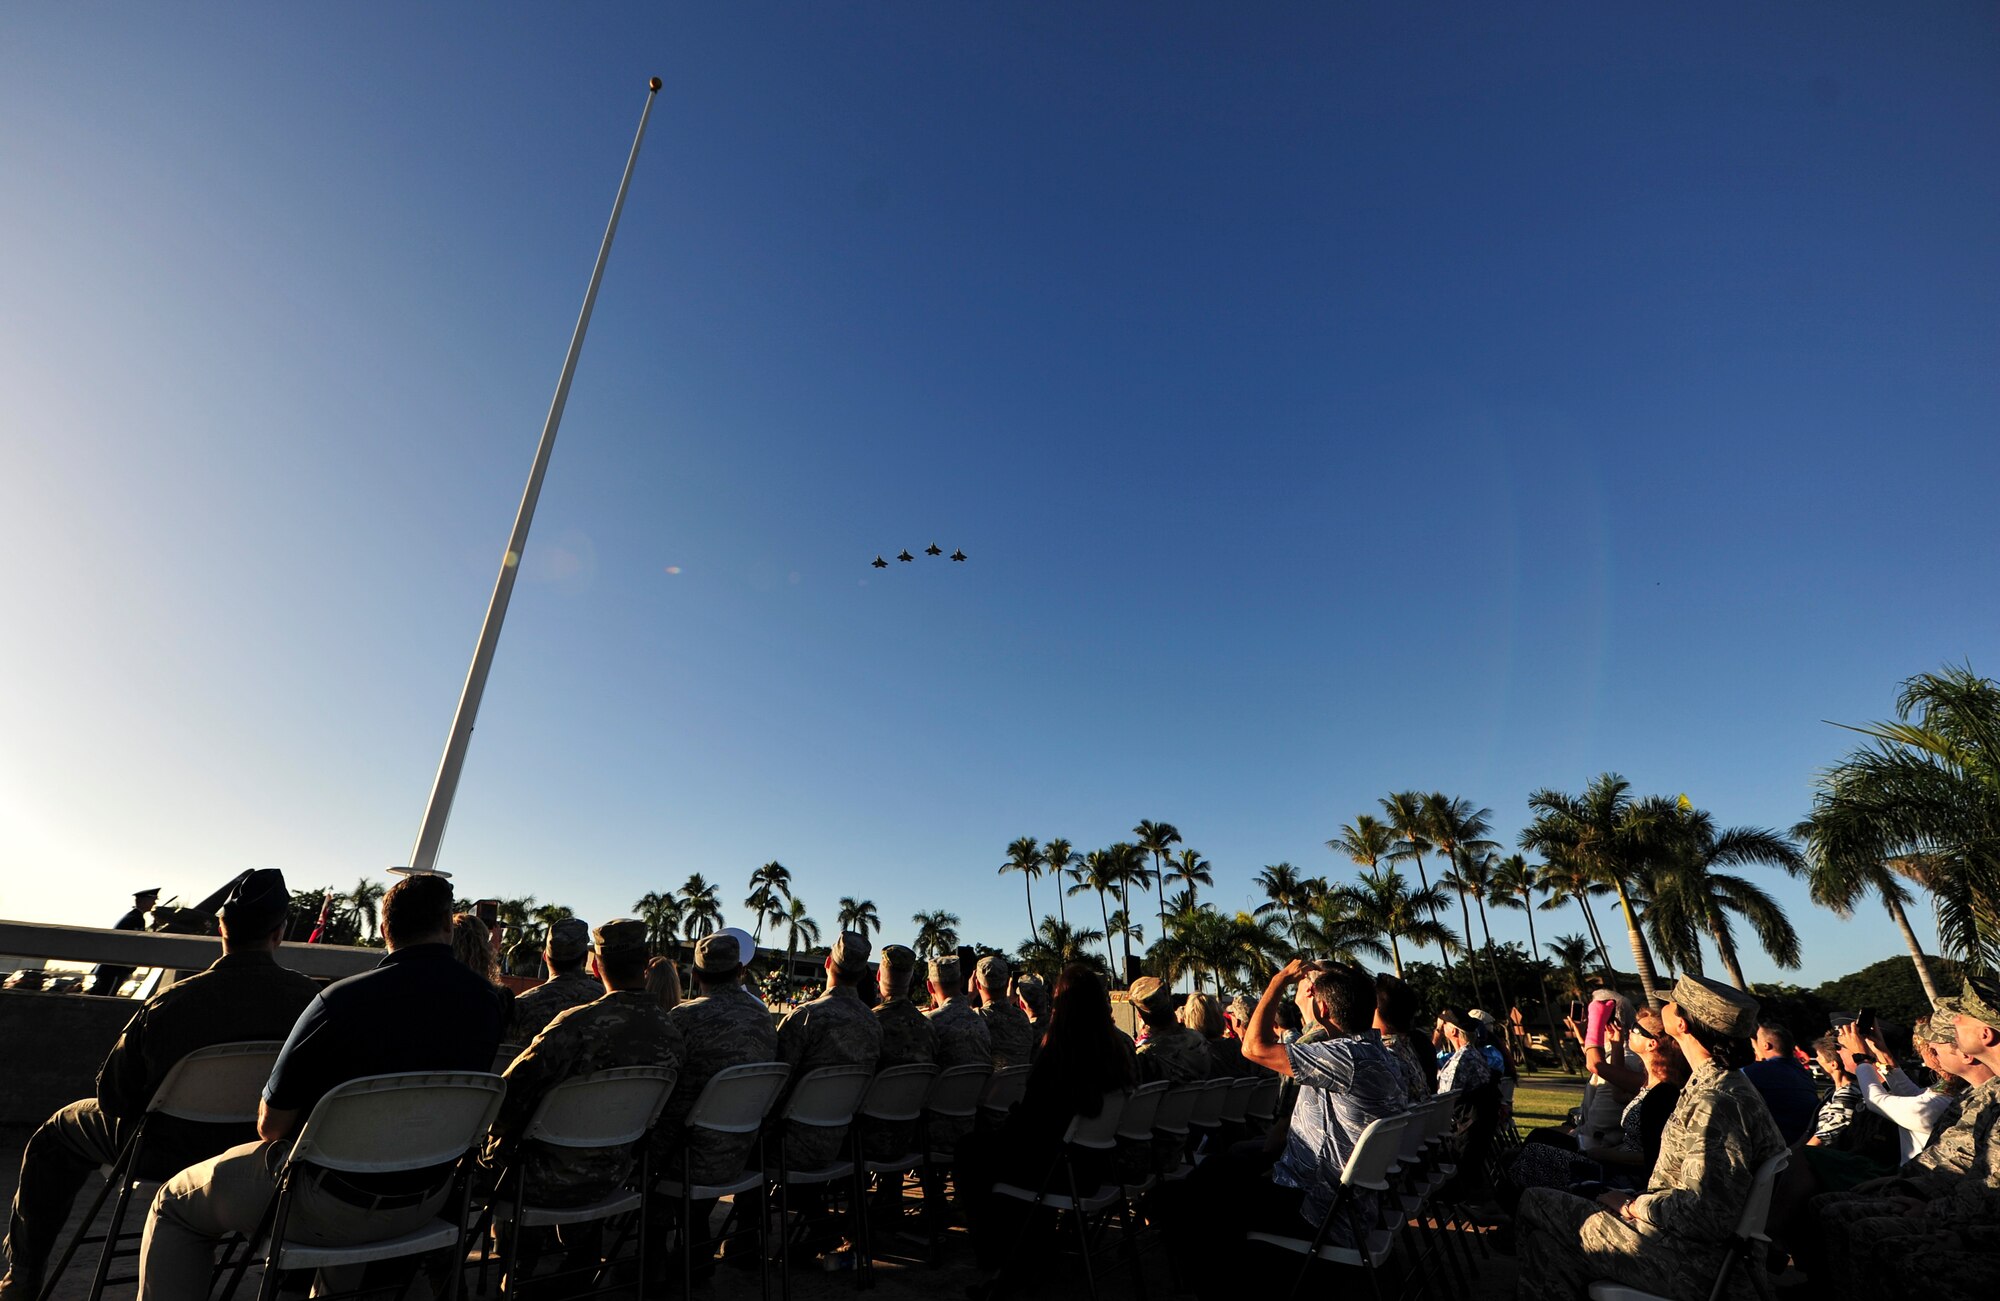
point(1642, 1030)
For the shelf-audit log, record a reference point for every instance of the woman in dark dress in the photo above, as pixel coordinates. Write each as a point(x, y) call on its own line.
point(1083, 1057)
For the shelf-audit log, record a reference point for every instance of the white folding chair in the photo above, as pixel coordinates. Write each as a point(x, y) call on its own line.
point(1743, 1244)
point(1004, 1090)
point(826, 1098)
point(1263, 1106)
point(1367, 1168)
point(613, 1108)
point(892, 1107)
point(735, 1100)
point(1170, 1129)
point(218, 1085)
point(1236, 1101)
point(1097, 1133)
point(954, 1095)
point(1207, 1116)
point(1135, 1137)
point(504, 1056)
point(376, 1125)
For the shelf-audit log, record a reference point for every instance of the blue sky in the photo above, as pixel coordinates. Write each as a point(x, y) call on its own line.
point(1332, 399)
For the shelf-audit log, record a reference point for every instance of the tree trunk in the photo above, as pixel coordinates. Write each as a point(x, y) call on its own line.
point(1548, 1009)
point(1028, 885)
point(1160, 891)
point(1492, 965)
point(1597, 938)
point(1425, 881)
point(1642, 957)
point(1062, 913)
point(1471, 962)
point(1916, 950)
point(1727, 952)
point(1125, 936)
point(1396, 956)
point(1110, 955)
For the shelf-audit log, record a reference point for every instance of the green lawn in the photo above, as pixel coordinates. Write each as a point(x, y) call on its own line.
point(1545, 1099)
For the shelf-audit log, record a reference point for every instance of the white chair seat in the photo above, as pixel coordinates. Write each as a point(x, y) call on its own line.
point(1380, 1243)
point(672, 1187)
point(308, 1255)
point(539, 1217)
point(1604, 1291)
point(1090, 1204)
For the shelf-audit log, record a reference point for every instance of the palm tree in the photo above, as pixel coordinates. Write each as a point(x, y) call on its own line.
point(1458, 831)
point(1925, 793)
point(1128, 931)
point(1157, 838)
point(1057, 860)
point(1333, 930)
point(937, 934)
point(1691, 898)
point(1473, 880)
point(1100, 873)
point(548, 915)
point(662, 915)
point(1025, 856)
point(1605, 832)
point(517, 915)
point(1366, 841)
point(859, 916)
point(1513, 885)
point(1411, 823)
point(799, 928)
point(1130, 863)
point(1567, 882)
point(1284, 889)
point(701, 911)
point(1054, 946)
point(364, 898)
point(770, 888)
point(1841, 888)
point(1385, 903)
point(1190, 869)
point(1572, 954)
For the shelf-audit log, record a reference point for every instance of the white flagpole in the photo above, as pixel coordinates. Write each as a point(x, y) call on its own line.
point(438, 812)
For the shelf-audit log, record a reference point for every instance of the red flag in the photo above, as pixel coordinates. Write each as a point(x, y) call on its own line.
point(319, 927)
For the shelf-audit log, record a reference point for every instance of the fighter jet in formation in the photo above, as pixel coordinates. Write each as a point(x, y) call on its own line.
point(904, 555)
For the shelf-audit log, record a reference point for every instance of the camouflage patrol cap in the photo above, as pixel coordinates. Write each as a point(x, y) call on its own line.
point(718, 955)
point(1941, 1027)
point(623, 938)
point(992, 971)
point(900, 959)
point(569, 939)
point(1980, 1000)
point(1149, 993)
point(850, 952)
point(945, 971)
point(1034, 993)
point(1716, 1006)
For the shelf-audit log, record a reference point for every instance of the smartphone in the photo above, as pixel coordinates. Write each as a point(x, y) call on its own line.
point(1864, 1023)
point(1576, 1011)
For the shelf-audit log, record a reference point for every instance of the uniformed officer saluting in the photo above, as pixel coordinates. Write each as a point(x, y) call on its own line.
point(244, 994)
point(106, 980)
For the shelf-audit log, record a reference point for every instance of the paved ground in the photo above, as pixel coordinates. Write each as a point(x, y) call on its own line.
point(893, 1281)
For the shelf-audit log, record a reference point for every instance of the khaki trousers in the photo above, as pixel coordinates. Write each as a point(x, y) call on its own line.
point(229, 1194)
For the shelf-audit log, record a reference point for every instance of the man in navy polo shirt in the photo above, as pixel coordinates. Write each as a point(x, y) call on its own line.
point(420, 1010)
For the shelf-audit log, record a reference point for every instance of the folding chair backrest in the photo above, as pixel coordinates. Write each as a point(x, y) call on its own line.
point(957, 1090)
point(1264, 1098)
point(1415, 1133)
point(828, 1097)
point(1757, 1210)
point(1443, 1108)
point(1236, 1101)
point(1176, 1108)
point(737, 1098)
point(1141, 1112)
point(1208, 1103)
point(1368, 1164)
point(1005, 1088)
point(609, 1108)
point(221, 1084)
point(1099, 1132)
point(898, 1093)
point(407, 1121)
point(504, 1056)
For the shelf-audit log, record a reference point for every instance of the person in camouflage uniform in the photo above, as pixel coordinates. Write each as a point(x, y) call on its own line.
point(1006, 1024)
point(243, 995)
point(722, 1027)
point(569, 985)
point(625, 1027)
point(835, 1029)
point(1034, 997)
point(962, 1040)
point(1939, 1217)
point(908, 1039)
point(1171, 1052)
point(1671, 1239)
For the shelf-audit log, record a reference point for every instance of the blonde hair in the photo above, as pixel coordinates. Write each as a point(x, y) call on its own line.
point(472, 944)
point(1201, 1012)
point(663, 982)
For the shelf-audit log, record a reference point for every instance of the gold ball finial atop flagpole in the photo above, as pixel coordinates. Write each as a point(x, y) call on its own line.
point(654, 84)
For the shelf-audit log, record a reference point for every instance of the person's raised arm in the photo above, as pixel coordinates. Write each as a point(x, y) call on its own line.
point(1260, 1038)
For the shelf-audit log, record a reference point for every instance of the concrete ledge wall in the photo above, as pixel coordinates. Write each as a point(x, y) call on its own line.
point(51, 1046)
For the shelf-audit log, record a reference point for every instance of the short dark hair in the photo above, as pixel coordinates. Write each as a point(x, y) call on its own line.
point(416, 905)
point(1396, 1001)
point(1348, 994)
point(627, 970)
point(578, 963)
point(1288, 1017)
point(1780, 1036)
